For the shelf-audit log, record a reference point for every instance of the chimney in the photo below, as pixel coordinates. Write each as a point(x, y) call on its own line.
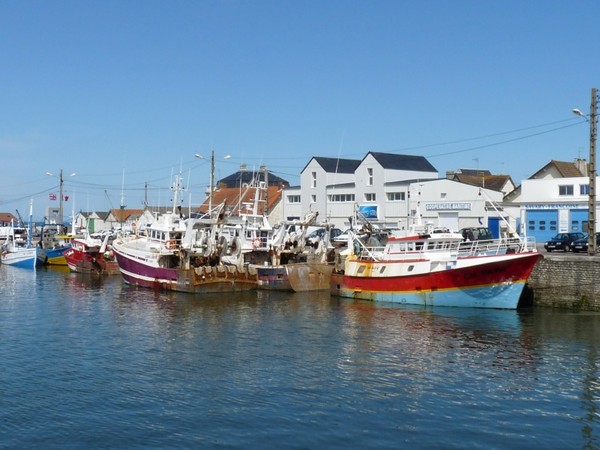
point(582, 165)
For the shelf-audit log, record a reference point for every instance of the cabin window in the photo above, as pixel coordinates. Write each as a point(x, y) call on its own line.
point(361, 269)
point(411, 268)
point(382, 269)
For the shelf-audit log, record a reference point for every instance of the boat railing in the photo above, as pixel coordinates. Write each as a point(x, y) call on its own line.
point(497, 246)
point(447, 249)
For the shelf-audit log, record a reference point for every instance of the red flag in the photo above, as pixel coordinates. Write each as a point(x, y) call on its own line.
point(52, 196)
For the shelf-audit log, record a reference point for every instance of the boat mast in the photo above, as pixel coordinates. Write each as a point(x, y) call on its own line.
point(212, 179)
point(30, 233)
point(122, 205)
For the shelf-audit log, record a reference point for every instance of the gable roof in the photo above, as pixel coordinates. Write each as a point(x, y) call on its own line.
point(235, 203)
point(565, 169)
point(7, 217)
point(402, 162)
point(493, 182)
point(336, 165)
point(125, 214)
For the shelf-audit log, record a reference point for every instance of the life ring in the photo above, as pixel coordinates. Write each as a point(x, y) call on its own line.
point(170, 245)
point(256, 243)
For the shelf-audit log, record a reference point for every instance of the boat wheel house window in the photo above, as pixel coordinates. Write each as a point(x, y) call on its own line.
point(565, 189)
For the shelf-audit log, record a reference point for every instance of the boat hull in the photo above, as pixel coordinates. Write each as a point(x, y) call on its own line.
point(296, 277)
point(195, 280)
point(273, 278)
point(306, 277)
point(91, 263)
point(55, 256)
point(26, 258)
point(497, 283)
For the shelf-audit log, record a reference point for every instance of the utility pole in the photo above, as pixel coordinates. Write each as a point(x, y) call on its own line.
point(592, 175)
point(266, 171)
point(60, 199)
point(212, 180)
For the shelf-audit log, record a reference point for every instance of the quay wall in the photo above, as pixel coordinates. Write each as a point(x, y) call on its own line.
point(570, 281)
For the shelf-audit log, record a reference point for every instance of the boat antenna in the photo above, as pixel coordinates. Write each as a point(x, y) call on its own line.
point(122, 205)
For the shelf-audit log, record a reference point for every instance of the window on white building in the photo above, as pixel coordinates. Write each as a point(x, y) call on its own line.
point(584, 189)
point(340, 198)
point(293, 198)
point(369, 176)
point(565, 189)
point(443, 195)
point(314, 179)
point(313, 198)
point(370, 197)
point(396, 196)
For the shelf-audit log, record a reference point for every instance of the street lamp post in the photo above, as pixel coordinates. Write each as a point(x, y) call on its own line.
point(60, 193)
point(212, 175)
point(592, 247)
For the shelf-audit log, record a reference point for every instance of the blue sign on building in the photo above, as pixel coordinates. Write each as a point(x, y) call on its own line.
point(368, 211)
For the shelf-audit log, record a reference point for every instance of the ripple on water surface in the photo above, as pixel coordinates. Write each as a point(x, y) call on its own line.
point(93, 362)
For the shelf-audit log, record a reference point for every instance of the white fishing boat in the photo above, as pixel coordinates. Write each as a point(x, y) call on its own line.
point(18, 249)
point(182, 254)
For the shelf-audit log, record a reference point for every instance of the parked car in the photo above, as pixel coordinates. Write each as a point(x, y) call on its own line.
point(581, 245)
point(476, 234)
point(320, 232)
point(562, 241)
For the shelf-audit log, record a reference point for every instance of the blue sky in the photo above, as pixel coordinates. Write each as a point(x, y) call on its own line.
point(124, 93)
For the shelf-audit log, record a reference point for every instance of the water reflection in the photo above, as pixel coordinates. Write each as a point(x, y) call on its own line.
point(309, 367)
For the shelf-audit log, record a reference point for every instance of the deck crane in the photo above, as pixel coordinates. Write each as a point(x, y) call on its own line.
point(21, 223)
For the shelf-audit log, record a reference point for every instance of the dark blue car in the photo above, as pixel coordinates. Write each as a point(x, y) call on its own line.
point(562, 241)
point(581, 245)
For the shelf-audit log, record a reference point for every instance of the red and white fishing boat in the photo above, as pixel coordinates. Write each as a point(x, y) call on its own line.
point(437, 269)
point(91, 255)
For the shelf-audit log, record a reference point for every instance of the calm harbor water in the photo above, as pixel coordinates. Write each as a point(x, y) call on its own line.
point(94, 363)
